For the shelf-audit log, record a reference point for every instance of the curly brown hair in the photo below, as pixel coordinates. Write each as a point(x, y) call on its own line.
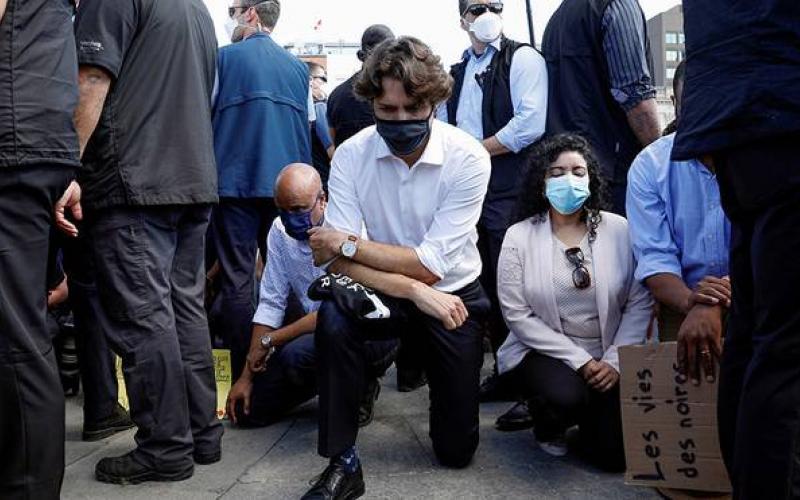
point(410, 61)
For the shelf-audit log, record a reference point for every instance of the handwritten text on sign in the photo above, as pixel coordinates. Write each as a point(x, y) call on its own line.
point(669, 424)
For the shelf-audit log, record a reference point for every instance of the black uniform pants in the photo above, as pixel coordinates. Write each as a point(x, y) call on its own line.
point(151, 280)
point(96, 361)
point(759, 394)
point(31, 396)
point(240, 227)
point(492, 228)
point(452, 362)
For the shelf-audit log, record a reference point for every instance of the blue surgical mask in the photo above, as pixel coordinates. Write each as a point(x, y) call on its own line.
point(297, 224)
point(567, 193)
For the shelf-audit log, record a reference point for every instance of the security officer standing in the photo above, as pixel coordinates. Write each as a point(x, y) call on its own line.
point(500, 98)
point(38, 157)
point(148, 180)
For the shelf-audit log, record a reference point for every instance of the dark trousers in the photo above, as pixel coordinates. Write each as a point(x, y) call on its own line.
point(31, 396)
point(492, 228)
point(96, 361)
point(239, 228)
point(452, 362)
point(150, 277)
point(291, 378)
point(559, 398)
point(759, 394)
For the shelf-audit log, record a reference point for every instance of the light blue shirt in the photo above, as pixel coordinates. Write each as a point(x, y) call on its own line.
point(676, 220)
point(290, 268)
point(528, 96)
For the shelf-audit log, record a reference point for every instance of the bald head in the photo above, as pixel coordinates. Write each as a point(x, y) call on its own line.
point(297, 187)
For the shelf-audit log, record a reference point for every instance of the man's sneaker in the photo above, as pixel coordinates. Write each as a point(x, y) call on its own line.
point(495, 388)
point(367, 409)
point(556, 446)
point(127, 470)
point(335, 483)
point(118, 421)
point(517, 418)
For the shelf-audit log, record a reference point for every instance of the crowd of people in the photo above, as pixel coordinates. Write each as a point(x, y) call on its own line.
point(160, 196)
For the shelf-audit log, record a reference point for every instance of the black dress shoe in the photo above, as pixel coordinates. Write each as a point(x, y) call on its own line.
point(367, 409)
point(336, 484)
point(118, 421)
point(515, 419)
point(127, 470)
point(409, 380)
point(209, 458)
point(495, 388)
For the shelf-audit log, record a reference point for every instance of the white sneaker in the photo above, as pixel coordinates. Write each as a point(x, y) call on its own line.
point(556, 447)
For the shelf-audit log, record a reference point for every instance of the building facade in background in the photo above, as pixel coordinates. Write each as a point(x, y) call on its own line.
point(667, 43)
point(668, 47)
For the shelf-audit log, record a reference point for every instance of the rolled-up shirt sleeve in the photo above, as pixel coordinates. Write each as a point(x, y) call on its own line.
point(529, 98)
point(455, 220)
point(274, 290)
point(653, 245)
point(624, 44)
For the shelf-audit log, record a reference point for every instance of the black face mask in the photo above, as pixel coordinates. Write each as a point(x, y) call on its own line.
point(403, 136)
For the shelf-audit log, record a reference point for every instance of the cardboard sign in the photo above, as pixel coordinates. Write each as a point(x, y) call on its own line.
point(222, 374)
point(669, 424)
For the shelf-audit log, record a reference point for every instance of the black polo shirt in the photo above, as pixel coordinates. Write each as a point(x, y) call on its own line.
point(348, 114)
point(154, 143)
point(38, 84)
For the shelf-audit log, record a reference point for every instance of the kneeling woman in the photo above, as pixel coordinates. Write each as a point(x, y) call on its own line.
point(569, 297)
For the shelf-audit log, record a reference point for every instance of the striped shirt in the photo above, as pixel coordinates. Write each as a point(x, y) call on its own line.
point(624, 43)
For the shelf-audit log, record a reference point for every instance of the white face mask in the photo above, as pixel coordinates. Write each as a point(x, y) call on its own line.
point(230, 27)
point(487, 28)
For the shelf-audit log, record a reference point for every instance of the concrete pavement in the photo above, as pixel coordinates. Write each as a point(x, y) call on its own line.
point(279, 461)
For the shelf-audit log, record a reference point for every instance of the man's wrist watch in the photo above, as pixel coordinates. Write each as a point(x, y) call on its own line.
point(266, 342)
point(349, 247)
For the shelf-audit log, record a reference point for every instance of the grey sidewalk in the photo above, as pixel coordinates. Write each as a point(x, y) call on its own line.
point(278, 462)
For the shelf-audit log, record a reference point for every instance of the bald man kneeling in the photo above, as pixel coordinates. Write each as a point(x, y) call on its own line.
point(280, 371)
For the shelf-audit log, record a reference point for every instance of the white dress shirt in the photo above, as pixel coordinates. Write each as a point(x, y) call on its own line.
point(432, 207)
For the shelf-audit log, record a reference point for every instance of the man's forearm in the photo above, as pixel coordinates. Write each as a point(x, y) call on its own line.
point(93, 84)
point(670, 290)
point(281, 336)
point(643, 120)
point(393, 259)
point(494, 147)
point(2, 9)
point(285, 334)
point(391, 284)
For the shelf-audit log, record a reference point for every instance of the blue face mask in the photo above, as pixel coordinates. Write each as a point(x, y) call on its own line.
point(297, 224)
point(567, 193)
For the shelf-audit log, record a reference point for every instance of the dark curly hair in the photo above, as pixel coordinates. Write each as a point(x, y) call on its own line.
point(410, 61)
point(532, 201)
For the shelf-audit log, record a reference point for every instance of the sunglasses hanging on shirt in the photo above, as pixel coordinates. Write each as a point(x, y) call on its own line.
point(580, 276)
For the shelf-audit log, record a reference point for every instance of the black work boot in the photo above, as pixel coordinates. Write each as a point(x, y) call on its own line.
point(336, 484)
point(118, 421)
point(127, 470)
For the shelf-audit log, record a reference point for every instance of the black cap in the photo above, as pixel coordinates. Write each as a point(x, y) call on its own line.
point(372, 37)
